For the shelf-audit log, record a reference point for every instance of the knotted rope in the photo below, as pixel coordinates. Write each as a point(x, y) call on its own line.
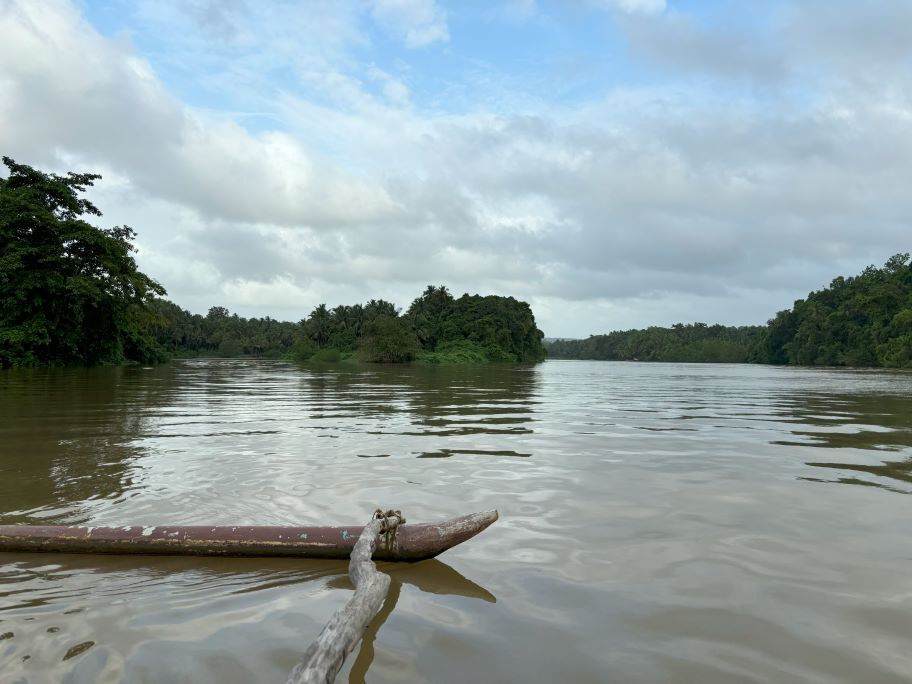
point(390, 521)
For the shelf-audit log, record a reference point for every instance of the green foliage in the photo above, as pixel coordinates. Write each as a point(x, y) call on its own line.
point(220, 333)
point(436, 329)
point(502, 326)
point(70, 293)
point(456, 352)
point(327, 355)
point(427, 314)
point(343, 326)
point(865, 320)
point(388, 339)
point(302, 349)
point(693, 343)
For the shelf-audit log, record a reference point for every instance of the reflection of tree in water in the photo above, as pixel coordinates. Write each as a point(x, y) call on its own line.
point(479, 399)
point(444, 401)
point(866, 424)
point(66, 436)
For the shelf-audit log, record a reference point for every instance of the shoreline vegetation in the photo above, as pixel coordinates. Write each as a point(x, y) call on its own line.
point(71, 294)
point(859, 321)
point(436, 328)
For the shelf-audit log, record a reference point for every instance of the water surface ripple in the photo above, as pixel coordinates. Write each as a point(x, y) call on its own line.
point(660, 522)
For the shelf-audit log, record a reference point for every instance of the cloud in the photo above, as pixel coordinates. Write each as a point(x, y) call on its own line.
point(638, 204)
point(118, 112)
point(679, 43)
point(861, 37)
point(418, 23)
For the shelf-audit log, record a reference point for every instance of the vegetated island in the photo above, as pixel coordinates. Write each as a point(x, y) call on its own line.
point(71, 294)
point(865, 320)
point(436, 328)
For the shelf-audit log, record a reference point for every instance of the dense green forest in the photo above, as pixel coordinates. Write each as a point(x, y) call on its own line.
point(696, 343)
point(436, 328)
point(71, 294)
point(865, 320)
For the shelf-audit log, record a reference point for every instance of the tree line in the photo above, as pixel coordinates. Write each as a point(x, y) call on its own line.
point(436, 328)
point(864, 320)
point(691, 343)
point(71, 294)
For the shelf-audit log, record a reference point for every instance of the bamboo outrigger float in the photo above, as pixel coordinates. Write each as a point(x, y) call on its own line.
point(412, 542)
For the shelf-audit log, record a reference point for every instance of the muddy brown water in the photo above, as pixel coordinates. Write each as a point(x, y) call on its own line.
point(659, 523)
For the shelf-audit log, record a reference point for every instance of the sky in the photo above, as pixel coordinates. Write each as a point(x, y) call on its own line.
point(615, 163)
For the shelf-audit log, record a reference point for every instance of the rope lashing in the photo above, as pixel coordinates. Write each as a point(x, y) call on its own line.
point(390, 521)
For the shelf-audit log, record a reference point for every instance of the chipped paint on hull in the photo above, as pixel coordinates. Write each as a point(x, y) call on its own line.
point(411, 542)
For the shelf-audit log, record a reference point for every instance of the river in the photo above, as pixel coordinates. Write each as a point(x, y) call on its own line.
point(659, 522)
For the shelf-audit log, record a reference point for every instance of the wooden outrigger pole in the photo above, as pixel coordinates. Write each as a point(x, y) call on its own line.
point(385, 537)
point(413, 542)
point(323, 660)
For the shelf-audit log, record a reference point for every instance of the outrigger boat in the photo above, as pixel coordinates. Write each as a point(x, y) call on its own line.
point(408, 542)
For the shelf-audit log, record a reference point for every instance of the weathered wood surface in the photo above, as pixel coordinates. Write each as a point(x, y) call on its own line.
point(323, 660)
point(413, 542)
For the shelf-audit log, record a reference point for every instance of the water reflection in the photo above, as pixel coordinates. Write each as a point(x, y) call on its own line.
point(887, 470)
point(859, 428)
point(432, 577)
point(67, 439)
point(79, 444)
point(641, 504)
point(37, 586)
point(852, 421)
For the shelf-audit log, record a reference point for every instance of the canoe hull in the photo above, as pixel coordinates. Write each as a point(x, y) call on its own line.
point(411, 542)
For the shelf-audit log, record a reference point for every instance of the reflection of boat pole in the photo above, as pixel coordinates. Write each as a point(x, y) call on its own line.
point(375, 598)
point(323, 660)
point(366, 654)
point(431, 576)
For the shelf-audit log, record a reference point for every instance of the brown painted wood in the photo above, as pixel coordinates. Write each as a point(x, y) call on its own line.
point(412, 542)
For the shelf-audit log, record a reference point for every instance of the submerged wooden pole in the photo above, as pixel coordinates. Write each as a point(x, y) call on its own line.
point(323, 660)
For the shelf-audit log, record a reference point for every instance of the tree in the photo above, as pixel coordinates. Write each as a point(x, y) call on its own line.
point(856, 321)
point(319, 325)
point(388, 339)
point(426, 314)
point(70, 292)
